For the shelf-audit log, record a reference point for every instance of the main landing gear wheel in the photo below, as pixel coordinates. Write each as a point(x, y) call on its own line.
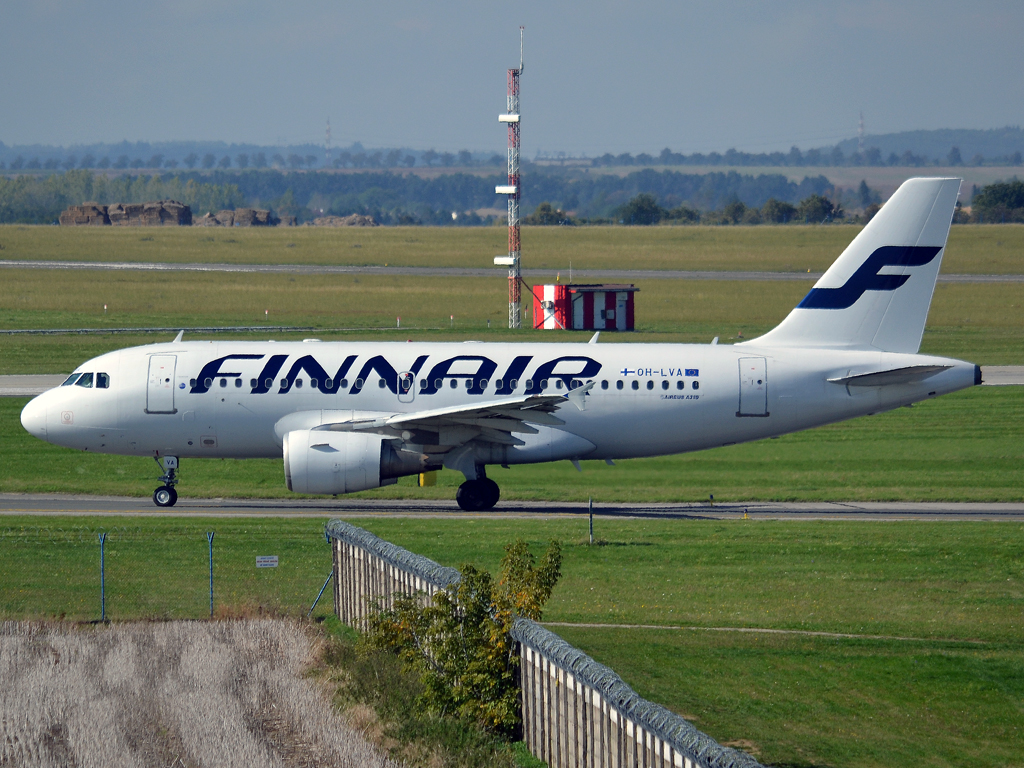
point(165, 496)
point(478, 495)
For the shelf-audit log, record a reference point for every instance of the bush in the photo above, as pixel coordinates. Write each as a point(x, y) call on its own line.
point(459, 644)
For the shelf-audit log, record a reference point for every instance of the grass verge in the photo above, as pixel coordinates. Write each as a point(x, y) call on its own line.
point(990, 248)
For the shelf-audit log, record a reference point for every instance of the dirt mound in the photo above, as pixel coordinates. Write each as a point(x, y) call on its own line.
point(354, 220)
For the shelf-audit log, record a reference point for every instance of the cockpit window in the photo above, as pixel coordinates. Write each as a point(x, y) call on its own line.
point(71, 379)
point(102, 381)
point(84, 381)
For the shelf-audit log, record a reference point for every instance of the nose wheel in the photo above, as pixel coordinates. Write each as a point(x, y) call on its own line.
point(478, 495)
point(165, 495)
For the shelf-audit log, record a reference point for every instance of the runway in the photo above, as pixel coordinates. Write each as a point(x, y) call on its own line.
point(329, 269)
point(53, 505)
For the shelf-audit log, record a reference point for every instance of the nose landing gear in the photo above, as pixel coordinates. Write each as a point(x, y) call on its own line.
point(165, 495)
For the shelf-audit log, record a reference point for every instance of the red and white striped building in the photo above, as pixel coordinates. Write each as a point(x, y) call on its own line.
point(584, 307)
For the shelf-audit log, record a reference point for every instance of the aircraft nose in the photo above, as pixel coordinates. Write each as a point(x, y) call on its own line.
point(33, 418)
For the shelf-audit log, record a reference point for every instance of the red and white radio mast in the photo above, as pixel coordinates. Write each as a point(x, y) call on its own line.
point(512, 189)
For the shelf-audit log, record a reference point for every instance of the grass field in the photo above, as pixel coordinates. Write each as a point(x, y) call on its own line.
point(977, 249)
point(948, 695)
point(980, 323)
point(968, 446)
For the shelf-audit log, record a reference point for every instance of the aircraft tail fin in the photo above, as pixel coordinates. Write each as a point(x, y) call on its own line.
point(877, 293)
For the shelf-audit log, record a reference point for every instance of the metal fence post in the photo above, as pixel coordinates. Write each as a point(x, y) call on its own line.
point(591, 504)
point(103, 584)
point(209, 538)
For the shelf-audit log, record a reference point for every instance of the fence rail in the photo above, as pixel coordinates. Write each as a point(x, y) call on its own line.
point(576, 712)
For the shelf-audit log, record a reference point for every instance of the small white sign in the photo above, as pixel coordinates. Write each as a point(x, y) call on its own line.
point(266, 561)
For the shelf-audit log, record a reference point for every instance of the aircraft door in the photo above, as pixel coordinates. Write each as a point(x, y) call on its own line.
point(753, 387)
point(160, 390)
point(406, 387)
point(578, 321)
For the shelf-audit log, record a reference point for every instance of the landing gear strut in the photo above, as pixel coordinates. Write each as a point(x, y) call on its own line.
point(165, 495)
point(478, 495)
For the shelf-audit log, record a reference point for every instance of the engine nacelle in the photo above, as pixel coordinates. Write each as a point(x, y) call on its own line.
point(321, 461)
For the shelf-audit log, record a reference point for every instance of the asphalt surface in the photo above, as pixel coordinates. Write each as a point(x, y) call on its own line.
point(327, 269)
point(115, 506)
point(30, 386)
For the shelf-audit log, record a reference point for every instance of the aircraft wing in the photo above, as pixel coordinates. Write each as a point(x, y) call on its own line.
point(493, 421)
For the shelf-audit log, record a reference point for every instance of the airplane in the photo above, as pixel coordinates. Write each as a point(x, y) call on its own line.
point(351, 416)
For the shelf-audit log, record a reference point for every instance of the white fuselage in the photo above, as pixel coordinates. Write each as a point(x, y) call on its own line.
point(177, 400)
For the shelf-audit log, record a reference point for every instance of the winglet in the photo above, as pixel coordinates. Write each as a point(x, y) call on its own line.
point(593, 339)
point(178, 337)
point(576, 396)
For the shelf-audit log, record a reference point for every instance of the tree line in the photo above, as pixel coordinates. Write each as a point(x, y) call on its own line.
point(643, 197)
point(40, 199)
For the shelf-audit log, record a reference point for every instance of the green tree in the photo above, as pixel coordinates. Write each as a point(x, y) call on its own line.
point(224, 162)
point(953, 158)
point(209, 160)
point(242, 160)
point(191, 159)
point(642, 209)
point(777, 212)
point(460, 644)
point(548, 215)
point(816, 209)
point(1002, 201)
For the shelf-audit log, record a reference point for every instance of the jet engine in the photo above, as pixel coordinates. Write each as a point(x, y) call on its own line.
point(320, 461)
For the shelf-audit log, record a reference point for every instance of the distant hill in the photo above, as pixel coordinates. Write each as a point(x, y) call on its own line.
point(992, 144)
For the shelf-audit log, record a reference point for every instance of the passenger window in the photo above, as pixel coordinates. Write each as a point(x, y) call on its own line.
point(513, 384)
point(381, 384)
point(604, 384)
point(423, 383)
point(344, 382)
point(529, 384)
point(298, 383)
point(252, 383)
point(102, 381)
point(680, 384)
point(497, 383)
point(359, 383)
point(696, 385)
point(85, 380)
point(664, 384)
point(238, 382)
point(558, 383)
point(71, 379)
point(223, 382)
point(650, 384)
point(454, 383)
point(619, 384)
point(483, 383)
point(192, 382)
point(543, 383)
point(635, 384)
point(313, 383)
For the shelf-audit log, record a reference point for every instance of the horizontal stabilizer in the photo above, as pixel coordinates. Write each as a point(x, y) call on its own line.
point(908, 375)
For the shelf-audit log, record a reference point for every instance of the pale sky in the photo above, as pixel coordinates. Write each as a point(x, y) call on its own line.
point(600, 76)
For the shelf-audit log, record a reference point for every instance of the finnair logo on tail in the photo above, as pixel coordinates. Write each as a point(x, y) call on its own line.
point(866, 278)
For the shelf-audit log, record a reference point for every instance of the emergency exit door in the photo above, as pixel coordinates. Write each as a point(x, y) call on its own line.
point(753, 387)
point(160, 390)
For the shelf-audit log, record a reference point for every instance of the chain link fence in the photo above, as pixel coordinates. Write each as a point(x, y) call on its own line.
point(191, 571)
